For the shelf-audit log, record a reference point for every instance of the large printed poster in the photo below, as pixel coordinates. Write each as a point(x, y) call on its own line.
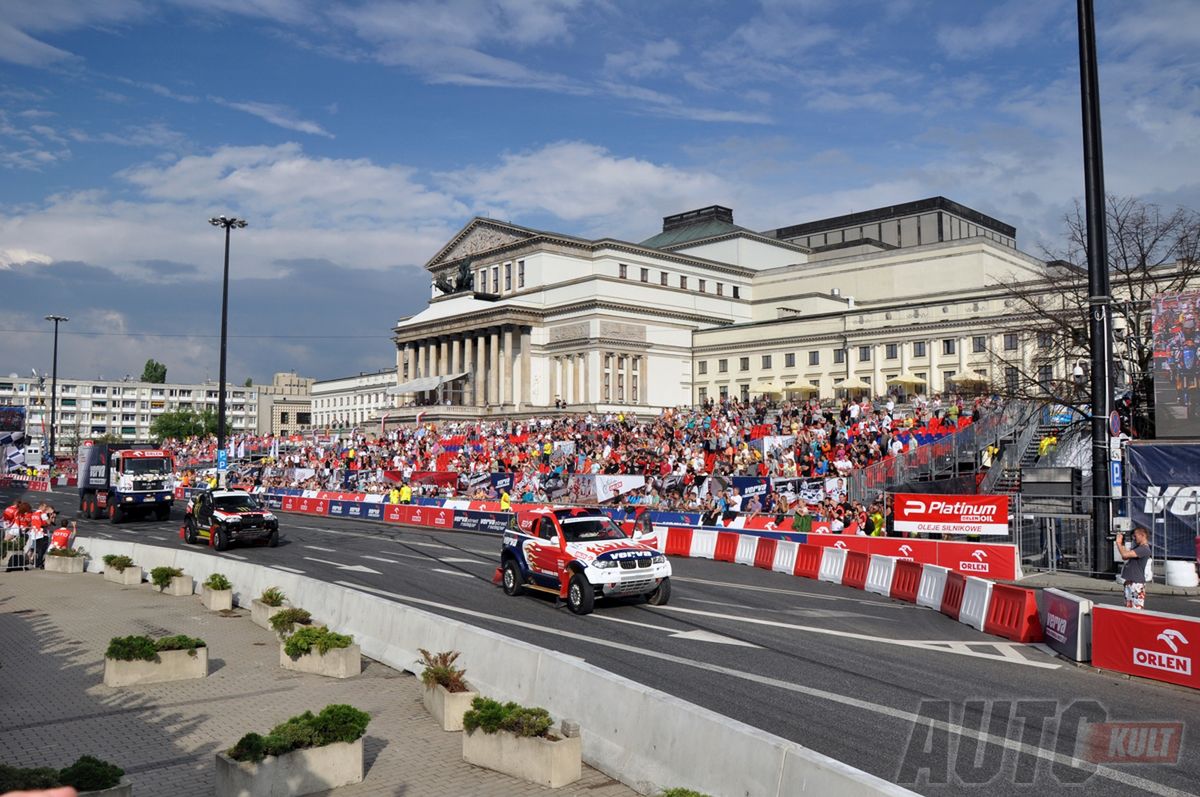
point(1177, 364)
point(12, 438)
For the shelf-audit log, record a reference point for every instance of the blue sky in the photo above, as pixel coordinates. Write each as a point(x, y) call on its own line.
point(357, 137)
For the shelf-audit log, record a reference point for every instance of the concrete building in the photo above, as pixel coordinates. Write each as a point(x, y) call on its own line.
point(285, 405)
point(359, 400)
point(92, 408)
point(908, 296)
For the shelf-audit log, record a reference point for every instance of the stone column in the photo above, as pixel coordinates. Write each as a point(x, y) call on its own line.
point(419, 371)
point(904, 349)
point(455, 354)
point(935, 378)
point(595, 368)
point(628, 394)
point(643, 393)
point(443, 355)
point(586, 396)
point(569, 378)
point(527, 365)
point(963, 373)
point(493, 396)
point(506, 367)
point(480, 373)
point(878, 383)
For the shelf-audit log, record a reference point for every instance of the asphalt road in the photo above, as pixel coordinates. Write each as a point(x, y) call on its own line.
point(847, 673)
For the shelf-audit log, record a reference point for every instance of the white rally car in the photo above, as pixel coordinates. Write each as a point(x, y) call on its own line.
point(580, 555)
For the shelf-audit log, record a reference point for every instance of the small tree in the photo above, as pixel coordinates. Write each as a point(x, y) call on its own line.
point(154, 372)
point(182, 424)
point(249, 382)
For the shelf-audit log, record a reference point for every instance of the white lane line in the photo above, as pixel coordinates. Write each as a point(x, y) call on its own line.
point(156, 537)
point(943, 647)
point(340, 566)
point(458, 560)
point(695, 634)
point(230, 555)
point(428, 545)
point(907, 717)
point(319, 548)
point(287, 569)
point(381, 559)
point(800, 593)
point(126, 531)
point(452, 572)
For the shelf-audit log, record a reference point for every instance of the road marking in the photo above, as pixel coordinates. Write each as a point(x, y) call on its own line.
point(287, 569)
point(156, 537)
point(126, 531)
point(819, 693)
point(340, 566)
point(943, 647)
point(428, 545)
point(459, 560)
point(230, 555)
point(319, 548)
point(801, 593)
point(694, 634)
point(452, 572)
point(381, 559)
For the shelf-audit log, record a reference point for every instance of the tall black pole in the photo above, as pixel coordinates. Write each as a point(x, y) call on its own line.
point(1099, 300)
point(221, 376)
point(54, 389)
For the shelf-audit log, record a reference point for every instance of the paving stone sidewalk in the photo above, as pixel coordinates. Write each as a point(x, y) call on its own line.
point(54, 629)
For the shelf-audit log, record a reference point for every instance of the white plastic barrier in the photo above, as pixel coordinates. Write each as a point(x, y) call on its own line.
point(833, 564)
point(746, 548)
point(704, 544)
point(785, 557)
point(879, 574)
point(659, 740)
point(976, 597)
point(932, 587)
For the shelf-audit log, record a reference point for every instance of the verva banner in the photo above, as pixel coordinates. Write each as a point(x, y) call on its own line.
point(1165, 647)
point(952, 514)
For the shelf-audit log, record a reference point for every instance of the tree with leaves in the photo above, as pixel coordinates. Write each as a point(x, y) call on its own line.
point(248, 383)
point(154, 372)
point(1150, 251)
point(182, 424)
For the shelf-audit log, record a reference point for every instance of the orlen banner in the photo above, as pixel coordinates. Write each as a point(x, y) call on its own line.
point(1165, 647)
point(951, 514)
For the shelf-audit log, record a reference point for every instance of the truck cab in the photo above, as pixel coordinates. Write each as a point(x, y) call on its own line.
point(121, 481)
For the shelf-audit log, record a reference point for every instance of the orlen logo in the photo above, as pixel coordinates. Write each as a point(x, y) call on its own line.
point(906, 550)
point(839, 544)
point(1170, 662)
point(977, 566)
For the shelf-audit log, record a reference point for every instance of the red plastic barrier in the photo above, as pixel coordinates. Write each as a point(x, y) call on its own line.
point(1013, 614)
point(956, 584)
point(679, 541)
point(764, 554)
point(727, 542)
point(808, 561)
point(906, 580)
point(857, 565)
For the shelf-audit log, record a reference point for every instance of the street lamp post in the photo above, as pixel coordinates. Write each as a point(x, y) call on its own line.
point(54, 387)
point(229, 224)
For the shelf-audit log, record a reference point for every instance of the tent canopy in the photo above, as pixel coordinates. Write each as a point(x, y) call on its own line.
point(423, 384)
point(906, 379)
point(853, 383)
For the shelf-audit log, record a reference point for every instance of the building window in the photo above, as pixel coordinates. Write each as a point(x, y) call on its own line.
point(744, 364)
point(891, 351)
point(683, 282)
point(979, 344)
point(702, 367)
point(662, 278)
point(789, 360)
point(645, 275)
point(839, 356)
point(1010, 378)
point(283, 417)
point(720, 289)
point(703, 285)
point(864, 354)
point(724, 392)
point(919, 348)
point(1044, 340)
point(702, 395)
point(520, 273)
point(722, 366)
point(1010, 341)
point(1045, 376)
point(481, 280)
point(948, 346)
point(766, 361)
point(745, 393)
point(495, 279)
point(508, 276)
point(814, 358)
point(622, 271)
point(737, 292)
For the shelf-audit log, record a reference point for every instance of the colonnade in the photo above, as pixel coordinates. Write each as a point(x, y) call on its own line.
point(496, 360)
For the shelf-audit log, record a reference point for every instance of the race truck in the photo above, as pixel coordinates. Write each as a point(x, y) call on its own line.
point(580, 555)
point(122, 480)
point(222, 517)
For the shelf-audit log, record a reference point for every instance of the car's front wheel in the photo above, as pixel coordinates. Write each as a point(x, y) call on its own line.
point(581, 598)
point(220, 539)
point(189, 533)
point(273, 540)
point(512, 578)
point(661, 594)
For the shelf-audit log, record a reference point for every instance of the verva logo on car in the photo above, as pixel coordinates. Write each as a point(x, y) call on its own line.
point(951, 514)
point(1149, 644)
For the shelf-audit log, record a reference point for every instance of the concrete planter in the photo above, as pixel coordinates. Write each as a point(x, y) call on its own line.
point(172, 665)
point(548, 762)
point(122, 789)
point(216, 600)
point(337, 663)
point(448, 707)
point(298, 772)
point(261, 613)
point(177, 586)
point(130, 576)
point(65, 564)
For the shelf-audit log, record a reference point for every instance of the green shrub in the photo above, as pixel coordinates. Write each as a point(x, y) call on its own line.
point(15, 778)
point(179, 642)
point(491, 716)
point(161, 576)
point(272, 596)
point(68, 552)
point(217, 582)
point(335, 723)
point(681, 792)
point(132, 648)
point(91, 774)
point(319, 637)
point(440, 669)
point(286, 620)
point(118, 563)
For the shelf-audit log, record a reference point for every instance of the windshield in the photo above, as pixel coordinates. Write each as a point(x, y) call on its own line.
point(586, 529)
point(146, 467)
point(235, 503)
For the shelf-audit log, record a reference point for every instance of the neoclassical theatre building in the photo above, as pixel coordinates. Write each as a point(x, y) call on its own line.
point(902, 298)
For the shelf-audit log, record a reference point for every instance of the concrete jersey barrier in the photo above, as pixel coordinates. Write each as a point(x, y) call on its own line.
point(667, 742)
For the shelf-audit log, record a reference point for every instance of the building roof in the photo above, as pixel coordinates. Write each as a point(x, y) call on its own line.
point(694, 225)
point(892, 212)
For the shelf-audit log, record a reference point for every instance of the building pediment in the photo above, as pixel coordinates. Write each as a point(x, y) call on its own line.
point(478, 237)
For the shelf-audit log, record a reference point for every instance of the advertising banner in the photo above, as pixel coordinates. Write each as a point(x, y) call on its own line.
point(1163, 480)
point(1155, 645)
point(471, 520)
point(1176, 340)
point(811, 491)
point(12, 438)
point(952, 514)
point(1067, 623)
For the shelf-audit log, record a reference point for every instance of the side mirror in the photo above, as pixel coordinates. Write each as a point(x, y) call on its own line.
point(553, 540)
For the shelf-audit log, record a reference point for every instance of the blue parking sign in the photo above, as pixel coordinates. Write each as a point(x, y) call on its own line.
point(222, 460)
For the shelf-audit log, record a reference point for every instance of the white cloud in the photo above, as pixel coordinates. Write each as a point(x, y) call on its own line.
point(14, 257)
point(275, 114)
point(653, 58)
point(21, 21)
point(1002, 27)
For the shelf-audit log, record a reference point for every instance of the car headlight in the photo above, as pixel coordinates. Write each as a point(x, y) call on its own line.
point(268, 516)
point(658, 559)
point(604, 563)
